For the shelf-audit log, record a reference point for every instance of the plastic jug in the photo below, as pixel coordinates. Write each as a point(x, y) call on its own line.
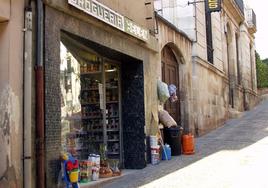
point(166, 153)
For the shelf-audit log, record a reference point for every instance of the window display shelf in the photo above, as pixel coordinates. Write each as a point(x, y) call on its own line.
point(112, 87)
point(90, 117)
point(109, 102)
point(97, 141)
point(99, 130)
point(111, 70)
point(90, 89)
point(113, 153)
point(89, 103)
point(113, 140)
point(112, 130)
point(90, 73)
point(110, 117)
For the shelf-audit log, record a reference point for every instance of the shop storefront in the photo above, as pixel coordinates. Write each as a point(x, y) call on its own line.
point(95, 76)
point(91, 102)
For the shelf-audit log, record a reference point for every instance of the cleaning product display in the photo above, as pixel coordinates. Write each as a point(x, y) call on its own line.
point(155, 154)
point(153, 141)
point(94, 160)
point(85, 167)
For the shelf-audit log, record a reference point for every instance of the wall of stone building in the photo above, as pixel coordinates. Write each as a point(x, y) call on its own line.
point(189, 19)
point(218, 38)
point(223, 71)
point(137, 14)
point(245, 61)
point(245, 92)
point(200, 44)
point(262, 91)
point(11, 88)
point(182, 48)
point(4, 10)
point(254, 71)
point(179, 13)
point(210, 97)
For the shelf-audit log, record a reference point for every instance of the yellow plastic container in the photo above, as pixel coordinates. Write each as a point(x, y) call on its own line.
point(74, 176)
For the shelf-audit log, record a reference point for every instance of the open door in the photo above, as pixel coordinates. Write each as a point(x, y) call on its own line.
point(170, 75)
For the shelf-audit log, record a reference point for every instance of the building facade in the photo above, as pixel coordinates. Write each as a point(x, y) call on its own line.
point(105, 82)
point(77, 76)
point(11, 92)
point(223, 75)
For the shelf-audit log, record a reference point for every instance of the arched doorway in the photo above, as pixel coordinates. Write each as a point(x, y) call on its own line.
point(170, 75)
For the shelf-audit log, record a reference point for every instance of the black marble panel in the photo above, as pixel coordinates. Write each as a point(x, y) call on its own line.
point(133, 115)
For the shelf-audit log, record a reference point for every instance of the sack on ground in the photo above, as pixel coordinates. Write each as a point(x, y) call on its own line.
point(166, 119)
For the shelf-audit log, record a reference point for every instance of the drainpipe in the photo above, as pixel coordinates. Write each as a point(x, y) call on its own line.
point(27, 100)
point(195, 22)
point(39, 76)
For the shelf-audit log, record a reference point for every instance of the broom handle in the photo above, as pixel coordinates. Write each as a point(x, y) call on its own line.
point(162, 144)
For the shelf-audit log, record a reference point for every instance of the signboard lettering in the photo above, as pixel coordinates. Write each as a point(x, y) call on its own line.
point(135, 30)
point(101, 12)
point(213, 5)
point(94, 8)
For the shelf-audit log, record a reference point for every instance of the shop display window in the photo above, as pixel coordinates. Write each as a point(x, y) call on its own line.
point(90, 103)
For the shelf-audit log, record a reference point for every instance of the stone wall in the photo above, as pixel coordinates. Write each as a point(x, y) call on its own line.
point(262, 91)
point(181, 46)
point(230, 71)
point(210, 97)
point(200, 44)
point(11, 94)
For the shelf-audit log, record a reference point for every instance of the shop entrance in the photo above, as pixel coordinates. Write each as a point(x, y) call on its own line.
point(102, 102)
point(91, 104)
point(170, 75)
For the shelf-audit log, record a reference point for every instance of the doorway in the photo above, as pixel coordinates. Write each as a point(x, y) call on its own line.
point(111, 87)
point(170, 75)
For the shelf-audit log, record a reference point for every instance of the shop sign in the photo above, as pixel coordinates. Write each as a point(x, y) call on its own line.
point(96, 9)
point(101, 12)
point(213, 5)
point(135, 30)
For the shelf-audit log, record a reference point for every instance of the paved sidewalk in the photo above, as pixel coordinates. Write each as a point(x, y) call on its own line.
point(234, 156)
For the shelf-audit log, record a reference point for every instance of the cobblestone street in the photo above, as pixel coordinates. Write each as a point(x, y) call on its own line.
point(234, 155)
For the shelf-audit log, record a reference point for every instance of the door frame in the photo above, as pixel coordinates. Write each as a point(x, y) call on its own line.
point(177, 77)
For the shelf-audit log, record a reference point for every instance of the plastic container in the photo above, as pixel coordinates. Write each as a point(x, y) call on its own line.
point(95, 173)
point(153, 141)
point(155, 155)
point(94, 159)
point(188, 144)
point(166, 152)
point(172, 137)
point(85, 168)
point(74, 176)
